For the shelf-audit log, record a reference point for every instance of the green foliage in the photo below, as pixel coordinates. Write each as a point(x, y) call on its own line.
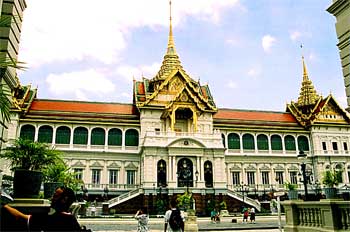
point(28, 155)
point(331, 178)
point(5, 103)
point(223, 205)
point(290, 186)
point(160, 206)
point(185, 200)
point(61, 172)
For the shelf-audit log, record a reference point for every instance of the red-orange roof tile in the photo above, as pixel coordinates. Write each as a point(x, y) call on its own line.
point(254, 116)
point(83, 107)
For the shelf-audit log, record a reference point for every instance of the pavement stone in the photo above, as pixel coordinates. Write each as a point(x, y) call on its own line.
point(263, 223)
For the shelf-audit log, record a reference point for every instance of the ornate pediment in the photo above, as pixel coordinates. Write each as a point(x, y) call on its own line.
point(130, 165)
point(96, 164)
point(78, 164)
point(114, 164)
point(235, 167)
point(186, 143)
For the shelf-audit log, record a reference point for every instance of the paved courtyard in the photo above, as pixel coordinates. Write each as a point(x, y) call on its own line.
point(263, 223)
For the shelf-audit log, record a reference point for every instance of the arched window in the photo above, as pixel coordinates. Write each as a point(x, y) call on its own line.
point(303, 143)
point(208, 174)
point(80, 135)
point(131, 137)
point(45, 134)
point(289, 143)
point(223, 140)
point(98, 136)
point(233, 141)
point(27, 132)
point(263, 142)
point(63, 135)
point(115, 137)
point(276, 143)
point(248, 142)
point(161, 173)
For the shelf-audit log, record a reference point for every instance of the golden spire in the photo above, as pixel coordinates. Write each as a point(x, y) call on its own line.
point(171, 60)
point(308, 95)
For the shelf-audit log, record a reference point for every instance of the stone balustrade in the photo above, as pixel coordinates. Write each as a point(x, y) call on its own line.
point(325, 215)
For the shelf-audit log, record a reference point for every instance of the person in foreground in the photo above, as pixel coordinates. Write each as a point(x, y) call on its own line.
point(142, 218)
point(174, 219)
point(58, 219)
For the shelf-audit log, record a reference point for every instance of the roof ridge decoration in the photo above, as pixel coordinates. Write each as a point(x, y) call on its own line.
point(171, 59)
point(310, 105)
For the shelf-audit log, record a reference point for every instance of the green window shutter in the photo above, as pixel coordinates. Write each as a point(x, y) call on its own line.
point(303, 143)
point(248, 142)
point(63, 135)
point(45, 134)
point(27, 132)
point(80, 136)
point(115, 137)
point(289, 143)
point(276, 143)
point(263, 143)
point(131, 137)
point(233, 141)
point(98, 136)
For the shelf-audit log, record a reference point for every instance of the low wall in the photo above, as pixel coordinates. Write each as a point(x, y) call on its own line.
point(324, 215)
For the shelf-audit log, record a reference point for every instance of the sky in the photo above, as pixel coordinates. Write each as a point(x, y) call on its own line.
point(247, 51)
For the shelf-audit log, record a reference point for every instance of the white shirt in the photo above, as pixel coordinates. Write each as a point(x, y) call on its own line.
point(167, 217)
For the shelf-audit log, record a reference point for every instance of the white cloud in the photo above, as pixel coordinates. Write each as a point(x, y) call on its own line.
point(253, 72)
point(232, 85)
point(267, 42)
point(81, 84)
point(129, 72)
point(59, 30)
point(294, 35)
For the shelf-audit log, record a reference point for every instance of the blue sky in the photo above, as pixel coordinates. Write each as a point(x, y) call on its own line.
point(248, 51)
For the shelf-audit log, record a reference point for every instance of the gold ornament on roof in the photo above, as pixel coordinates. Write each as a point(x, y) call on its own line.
point(308, 95)
point(171, 60)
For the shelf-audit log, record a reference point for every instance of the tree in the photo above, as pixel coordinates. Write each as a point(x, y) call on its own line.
point(29, 155)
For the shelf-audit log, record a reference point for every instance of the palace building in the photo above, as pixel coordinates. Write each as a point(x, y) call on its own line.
point(173, 138)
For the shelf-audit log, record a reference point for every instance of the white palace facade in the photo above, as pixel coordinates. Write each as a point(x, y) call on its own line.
point(173, 137)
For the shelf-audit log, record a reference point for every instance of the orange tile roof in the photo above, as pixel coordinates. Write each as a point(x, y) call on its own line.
point(255, 116)
point(82, 107)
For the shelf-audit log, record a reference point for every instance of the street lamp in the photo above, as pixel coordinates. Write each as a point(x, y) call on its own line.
point(302, 157)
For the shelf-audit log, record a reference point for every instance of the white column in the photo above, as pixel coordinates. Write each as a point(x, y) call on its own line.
point(54, 135)
point(36, 133)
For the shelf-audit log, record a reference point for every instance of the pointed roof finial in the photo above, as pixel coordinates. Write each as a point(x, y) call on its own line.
point(171, 60)
point(308, 95)
point(171, 44)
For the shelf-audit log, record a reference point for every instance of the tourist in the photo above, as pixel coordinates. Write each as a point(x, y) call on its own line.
point(58, 219)
point(245, 212)
point(252, 215)
point(174, 219)
point(142, 218)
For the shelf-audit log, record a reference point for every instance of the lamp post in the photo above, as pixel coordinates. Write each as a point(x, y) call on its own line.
point(302, 157)
point(105, 193)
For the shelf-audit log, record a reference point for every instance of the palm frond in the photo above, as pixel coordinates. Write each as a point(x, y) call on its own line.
point(5, 103)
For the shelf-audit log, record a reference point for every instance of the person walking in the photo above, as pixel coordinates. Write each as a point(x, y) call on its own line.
point(245, 212)
point(252, 215)
point(174, 219)
point(142, 217)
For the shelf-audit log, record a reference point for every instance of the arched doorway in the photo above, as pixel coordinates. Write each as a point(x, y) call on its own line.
point(185, 173)
point(161, 173)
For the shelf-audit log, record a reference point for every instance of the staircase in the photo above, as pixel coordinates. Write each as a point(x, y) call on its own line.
point(124, 197)
point(249, 201)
